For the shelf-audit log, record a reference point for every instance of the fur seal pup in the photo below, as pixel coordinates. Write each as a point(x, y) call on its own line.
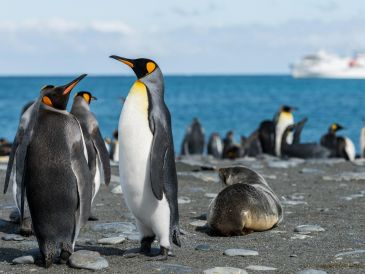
point(246, 204)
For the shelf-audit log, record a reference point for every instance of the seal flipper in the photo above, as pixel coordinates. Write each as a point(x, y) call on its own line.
point(102, 153)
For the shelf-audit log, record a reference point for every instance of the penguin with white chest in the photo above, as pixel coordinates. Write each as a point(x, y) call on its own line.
point(147, 160)
point(98, 156)
point(51, 164)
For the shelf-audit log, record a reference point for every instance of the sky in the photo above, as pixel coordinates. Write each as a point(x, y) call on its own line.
point(42, 37)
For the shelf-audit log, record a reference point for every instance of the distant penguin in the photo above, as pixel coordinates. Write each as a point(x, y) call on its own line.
point(251, 146)
point(301, 150)
point(282, 120)
point(193, 142)
point(266, 133)
point(147, 160)
point(98, 156)
point(246, 204)
point(51, 165)
point(107, 143)
point(114, 148)
point(215, 145)
point(340, 147)
point(362, 143)
point(231, 150)
point(11, 172)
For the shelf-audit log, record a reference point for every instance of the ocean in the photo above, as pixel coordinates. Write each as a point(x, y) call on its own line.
point(221, 103)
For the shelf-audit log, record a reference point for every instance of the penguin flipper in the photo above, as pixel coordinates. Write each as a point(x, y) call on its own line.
point(103, 154)
point(298, 130)
point(11, 162)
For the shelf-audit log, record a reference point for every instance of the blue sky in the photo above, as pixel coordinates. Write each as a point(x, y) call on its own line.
point(184, 37)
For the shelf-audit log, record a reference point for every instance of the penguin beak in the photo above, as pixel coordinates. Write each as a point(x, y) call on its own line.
point(94, 98)
point(126, 61)
point(68, 87)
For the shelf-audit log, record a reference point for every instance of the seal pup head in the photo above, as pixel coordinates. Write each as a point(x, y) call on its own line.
point(239, 174)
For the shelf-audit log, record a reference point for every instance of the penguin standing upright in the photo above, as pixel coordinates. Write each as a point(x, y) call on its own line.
point(341, 147)
point(114, 147)
point(362, 143)
point(282, 120)
point(98, 156)
point(193, 142)
point(147, 160)
point(215, 145)
point(51, 164)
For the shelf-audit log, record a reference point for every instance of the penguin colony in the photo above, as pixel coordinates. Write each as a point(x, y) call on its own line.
point(59, 160)
point(278, 137)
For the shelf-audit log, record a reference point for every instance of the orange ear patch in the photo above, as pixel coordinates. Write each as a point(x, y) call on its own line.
point(47, 101)
point(150, 67)
point(86, 97)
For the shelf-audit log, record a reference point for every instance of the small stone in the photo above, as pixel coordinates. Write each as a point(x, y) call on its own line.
point(183, 200)
point(198, 223)
point(353, 252)
point(311, 271)
point(290, 202)
point(293, 256)
point(260, 268)
point(12, 237)
point(203, 247)
point(310, 171)
point(88, 260)
point(240, 252)
point(172, 268)
point(225, 270)
point(24, 260)
point(117, 190)
point(307, 229)
point(111, 240)
point(300, 237)
point(211, 195)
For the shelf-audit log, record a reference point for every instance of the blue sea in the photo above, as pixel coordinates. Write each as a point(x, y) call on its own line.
point(221, 103)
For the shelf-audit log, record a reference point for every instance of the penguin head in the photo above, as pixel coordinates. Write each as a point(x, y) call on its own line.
point(57, 97)
point(87, 96)
point(335, 127)
point(141, 66)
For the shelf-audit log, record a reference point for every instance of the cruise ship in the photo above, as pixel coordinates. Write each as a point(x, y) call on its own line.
point(326, 65)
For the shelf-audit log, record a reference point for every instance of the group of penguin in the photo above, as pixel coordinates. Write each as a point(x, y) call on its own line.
point(59, 159)
point(278, 137)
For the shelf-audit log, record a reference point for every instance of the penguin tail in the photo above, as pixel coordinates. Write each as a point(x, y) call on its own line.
point(176, 236)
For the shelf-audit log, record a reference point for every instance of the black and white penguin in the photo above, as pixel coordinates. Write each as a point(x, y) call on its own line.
point(215, 145)
point(266, 133)
point(282, 120)
point(339, 146)
point(251, 146)
point(98, 156)
point(51, 164)
point(147, 160)
point(193, 142)
point(362, 143)
point(114, 148)
point(301, 150)
point(231, 150)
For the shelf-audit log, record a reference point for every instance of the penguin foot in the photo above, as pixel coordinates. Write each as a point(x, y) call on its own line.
point(146, 243)
point(26, 227)
point(161, 256)
point(64, 256)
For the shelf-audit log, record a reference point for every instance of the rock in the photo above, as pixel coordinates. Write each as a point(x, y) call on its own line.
point(115, 179)
point(240, 252)
point(117, 190)
point(307, 229)
point(307, 170)
point(285, 164)
point(183, 200)
point(353, 252)
point(111, 240)
point(210, 195)
point(12, 237)
point(132, 237)
point(260, 268)
point(270, 177)
point(88, 260)
point(172, 268)
point(311, 271)
point(300, 237)
point(24, 260)
point(225, 270)
point(291, 202)
point(297, 196)
point(198, 223)
point(114, 227)
point(203, 247)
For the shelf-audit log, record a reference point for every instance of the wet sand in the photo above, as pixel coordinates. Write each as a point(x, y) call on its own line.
point(327, 193)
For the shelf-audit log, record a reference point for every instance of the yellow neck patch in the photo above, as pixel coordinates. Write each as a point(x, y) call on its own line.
point(47, 101)
point(140, 97)
point(286, 115)
point(150, 67)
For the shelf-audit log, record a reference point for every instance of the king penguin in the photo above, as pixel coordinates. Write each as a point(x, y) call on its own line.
point(193, 142)
point(341, 147)
point(147, 160)
point(51, 163)
point(282, 120)
point(98, 156)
